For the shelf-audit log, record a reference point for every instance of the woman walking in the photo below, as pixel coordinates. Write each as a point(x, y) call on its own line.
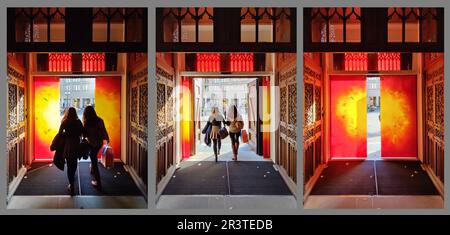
point(71, 130)
point(95, 132)
point(236, 123)
point(215, 120)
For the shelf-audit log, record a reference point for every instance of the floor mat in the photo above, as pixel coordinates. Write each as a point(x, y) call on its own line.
point(403, 178)
point(211, 178)
point(52, 181)
point(256, 178)
point(346, 178)
point(47, 180)
point(199, 178)
point(115, 181)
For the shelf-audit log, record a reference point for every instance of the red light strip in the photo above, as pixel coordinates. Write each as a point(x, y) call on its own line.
point(208, 62)
point(60, 62)
point(93, 62)
point(241, 62)
point(388, 61)
point(356, 61)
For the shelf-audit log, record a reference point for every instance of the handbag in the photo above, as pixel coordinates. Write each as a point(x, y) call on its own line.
point(84, 149)
point(244, 136)
point(223, 133)
point(239, 125)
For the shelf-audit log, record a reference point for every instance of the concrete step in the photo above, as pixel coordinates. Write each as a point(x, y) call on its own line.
point(226, 202)
point(373, 202)
point(77, 202)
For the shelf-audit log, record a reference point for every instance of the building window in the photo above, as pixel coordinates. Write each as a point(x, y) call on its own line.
point(265, 24)
point(412, 24)
point(338, 24)
point(134, 24)
point(108, 24)
point(193, 24)
point(40, 24)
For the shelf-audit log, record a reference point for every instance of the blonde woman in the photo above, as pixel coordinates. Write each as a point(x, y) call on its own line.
point(235, 123)
point(215, 120)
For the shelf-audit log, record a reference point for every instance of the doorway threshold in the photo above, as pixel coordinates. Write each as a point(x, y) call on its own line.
point(77, 202)
point(374, 202)
point(228, 202)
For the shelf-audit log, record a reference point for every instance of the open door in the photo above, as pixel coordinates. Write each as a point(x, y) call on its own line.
point(252, 98)
point(348, 114)
point(47, 116)
point(398, 116)
point(107, 106)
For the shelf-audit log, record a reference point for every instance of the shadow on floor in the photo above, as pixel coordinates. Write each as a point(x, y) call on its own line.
point(49, 180)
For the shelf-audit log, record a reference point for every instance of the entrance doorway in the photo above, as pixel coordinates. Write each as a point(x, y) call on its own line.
point(373, 117)
point(52, 95)
point(221, 93)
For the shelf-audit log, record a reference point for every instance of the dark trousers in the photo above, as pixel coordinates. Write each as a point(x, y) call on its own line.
point(217, 143)
point(72, 164)
point(235, 141)
point(94, 164)
point(235, 137)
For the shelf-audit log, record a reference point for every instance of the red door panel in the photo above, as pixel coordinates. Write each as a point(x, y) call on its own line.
point(348, 114)
point(398, 115)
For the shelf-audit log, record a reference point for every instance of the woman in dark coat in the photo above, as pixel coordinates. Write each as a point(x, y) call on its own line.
point(95, 132)
point(71, 129)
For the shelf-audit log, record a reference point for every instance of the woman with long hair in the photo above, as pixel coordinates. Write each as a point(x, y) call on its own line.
point(215, 120)
point(71, 129)
point(95, 132)
point(235, 123)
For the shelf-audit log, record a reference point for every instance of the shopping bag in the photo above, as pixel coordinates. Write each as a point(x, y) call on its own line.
point(107, 156)
point(244, 136)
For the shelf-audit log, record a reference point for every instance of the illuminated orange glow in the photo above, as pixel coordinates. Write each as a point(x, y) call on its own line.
point(107, 106)
point(398, 112)
point(348, 116)
point(186, 120)
point(46, 115)
point(348, 111)
point(394, 123)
